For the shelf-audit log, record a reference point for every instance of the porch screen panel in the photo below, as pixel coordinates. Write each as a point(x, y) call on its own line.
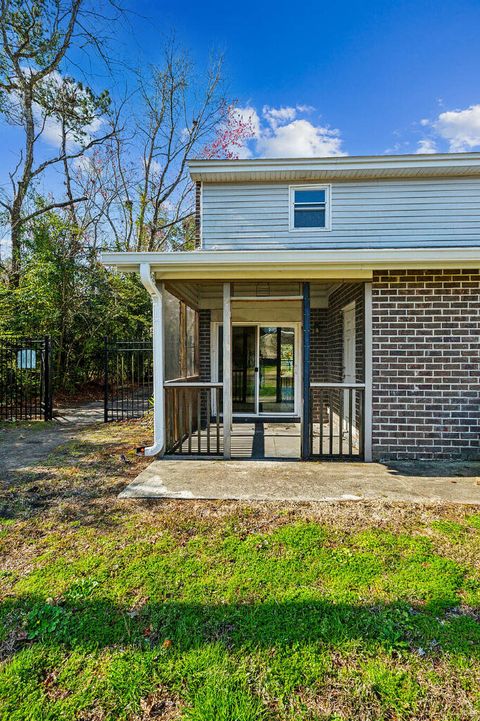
point(172, 337)
point(191, 340)
point(181, 339)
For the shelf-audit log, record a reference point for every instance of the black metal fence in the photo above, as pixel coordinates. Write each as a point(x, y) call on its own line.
point(128, 367)
point(25, 379)
point(337, 420)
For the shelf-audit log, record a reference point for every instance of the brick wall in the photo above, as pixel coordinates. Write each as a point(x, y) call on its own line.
point(326, 350)
point(318, 354)
point(318, 344)
point(204, 355)
point(204, 317)
point(346, 294)
point(426, 364)
point(326, 353)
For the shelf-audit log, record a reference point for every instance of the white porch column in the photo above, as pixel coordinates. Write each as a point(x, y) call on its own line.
point(227, 372)
point(156, 293)
point(368, 413)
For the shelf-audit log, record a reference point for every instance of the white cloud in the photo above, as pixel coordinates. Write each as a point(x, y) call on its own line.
point(305, 108)
point(300, 138)
point(278, 116)
point(426, 146)
point(461, 128)
point(281, 133)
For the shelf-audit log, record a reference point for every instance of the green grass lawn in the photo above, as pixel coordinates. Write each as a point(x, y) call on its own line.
point(216, 611)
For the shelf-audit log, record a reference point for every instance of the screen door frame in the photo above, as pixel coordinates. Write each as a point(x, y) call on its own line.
point(296, 367)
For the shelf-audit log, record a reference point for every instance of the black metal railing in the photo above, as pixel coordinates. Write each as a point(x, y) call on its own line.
point(25, 379)
point(239, 385)
point(192, 418)
point(128, 378)
point(337, 420)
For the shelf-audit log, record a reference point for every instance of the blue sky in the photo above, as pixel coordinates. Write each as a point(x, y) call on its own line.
point(388, 76)
point(318, 78)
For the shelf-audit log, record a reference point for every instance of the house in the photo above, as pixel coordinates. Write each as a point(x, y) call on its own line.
point(338, 295)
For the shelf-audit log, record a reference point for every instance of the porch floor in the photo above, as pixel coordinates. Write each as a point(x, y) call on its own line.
point(259, 440)
point(256, 439)
point(415, 482)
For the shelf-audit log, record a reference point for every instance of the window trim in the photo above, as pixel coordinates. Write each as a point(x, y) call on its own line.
point(328, 207)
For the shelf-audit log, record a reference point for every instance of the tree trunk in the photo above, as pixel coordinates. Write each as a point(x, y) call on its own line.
point(22, 185)
point(16, 239)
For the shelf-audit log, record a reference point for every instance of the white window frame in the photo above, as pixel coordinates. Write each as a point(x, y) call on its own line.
point(328, 208)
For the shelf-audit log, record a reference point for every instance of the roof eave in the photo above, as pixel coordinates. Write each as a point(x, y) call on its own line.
point(430, 165)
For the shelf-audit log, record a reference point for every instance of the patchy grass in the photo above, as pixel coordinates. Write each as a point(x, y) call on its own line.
point(38, 425)
point(223, 611)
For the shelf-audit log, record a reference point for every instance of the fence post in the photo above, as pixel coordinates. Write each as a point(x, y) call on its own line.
point(47, 401)
point(105, 380)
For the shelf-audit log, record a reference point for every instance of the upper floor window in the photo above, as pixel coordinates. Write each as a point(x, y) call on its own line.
point(310, 207)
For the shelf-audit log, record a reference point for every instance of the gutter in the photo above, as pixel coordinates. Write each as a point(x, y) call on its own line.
point(156, 293)
point(369, 258)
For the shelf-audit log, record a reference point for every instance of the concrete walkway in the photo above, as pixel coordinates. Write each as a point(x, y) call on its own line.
point(21, 448)
point(311, 481)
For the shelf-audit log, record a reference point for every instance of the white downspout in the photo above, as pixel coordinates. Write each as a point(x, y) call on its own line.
point(156, 294)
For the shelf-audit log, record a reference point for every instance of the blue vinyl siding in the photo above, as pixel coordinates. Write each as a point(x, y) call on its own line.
point(374, 214)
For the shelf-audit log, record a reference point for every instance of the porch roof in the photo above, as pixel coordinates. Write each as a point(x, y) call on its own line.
point(291, 264)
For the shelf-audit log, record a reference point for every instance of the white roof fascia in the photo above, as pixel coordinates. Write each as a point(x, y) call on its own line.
point(435, 164)
point(300, 264)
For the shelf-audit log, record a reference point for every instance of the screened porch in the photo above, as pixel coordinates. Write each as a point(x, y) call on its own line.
point(264, 369)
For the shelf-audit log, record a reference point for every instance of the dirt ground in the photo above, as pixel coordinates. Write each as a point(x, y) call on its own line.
point(25, 444)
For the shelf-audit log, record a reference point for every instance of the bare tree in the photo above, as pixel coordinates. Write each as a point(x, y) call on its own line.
point(174, 114)
point(35, 38)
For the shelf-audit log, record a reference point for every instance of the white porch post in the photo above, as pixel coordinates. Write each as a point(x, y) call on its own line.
point(156, 292)
point(368, 412)
point(227, 372)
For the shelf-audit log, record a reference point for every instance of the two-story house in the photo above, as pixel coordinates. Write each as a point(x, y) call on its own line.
point(339, 297)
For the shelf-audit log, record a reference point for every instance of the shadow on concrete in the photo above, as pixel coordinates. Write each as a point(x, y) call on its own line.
point(435, 469)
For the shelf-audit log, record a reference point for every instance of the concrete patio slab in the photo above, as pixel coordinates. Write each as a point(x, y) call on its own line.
point(307, 481)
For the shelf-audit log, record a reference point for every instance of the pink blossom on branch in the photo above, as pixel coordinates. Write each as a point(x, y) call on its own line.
point(231, 135)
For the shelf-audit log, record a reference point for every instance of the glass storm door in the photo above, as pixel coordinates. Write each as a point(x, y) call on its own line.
point(244, 368)
point(263, 369)
point(276, 382)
